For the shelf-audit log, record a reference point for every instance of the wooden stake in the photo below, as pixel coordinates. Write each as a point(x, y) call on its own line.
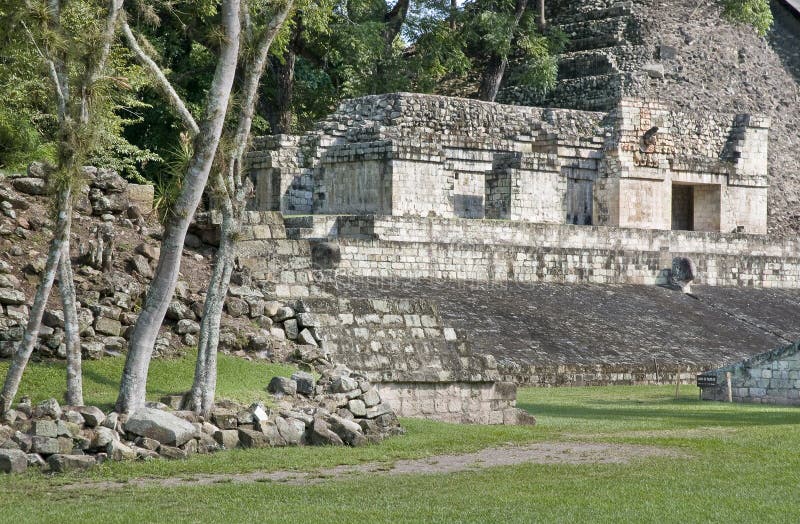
point(728, 383)
point(677, 383)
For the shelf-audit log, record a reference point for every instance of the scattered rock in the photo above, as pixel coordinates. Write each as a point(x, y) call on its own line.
point(305, 382)
point(160, 425)
point(13, 461)
point(282, 386)
point(30, 186)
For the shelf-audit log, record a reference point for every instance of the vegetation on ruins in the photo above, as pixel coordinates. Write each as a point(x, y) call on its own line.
point(73, 43)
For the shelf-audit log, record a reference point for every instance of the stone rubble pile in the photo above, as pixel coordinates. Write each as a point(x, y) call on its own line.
point(341, 408)
point(110, 297)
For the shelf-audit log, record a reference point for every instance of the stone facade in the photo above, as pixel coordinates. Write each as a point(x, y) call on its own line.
point(769, 378)
point(401, 345)
point(690, 56)
point(507, 251)
point(464, 403)
point(420, 155)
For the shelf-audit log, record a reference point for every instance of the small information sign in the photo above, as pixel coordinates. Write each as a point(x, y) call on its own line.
point(706, 381)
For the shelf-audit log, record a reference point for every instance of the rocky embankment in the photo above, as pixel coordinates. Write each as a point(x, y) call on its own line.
point(115, 246)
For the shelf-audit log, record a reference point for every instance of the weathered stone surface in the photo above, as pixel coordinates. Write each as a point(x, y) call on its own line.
point(186, 326)
point(45, 445)
point(282, 386)
point(141, 196)
point(147, 443)
point(13, 461)
point(347, 430)
point(253, 439)
point(108, 326)
point(305, 382)
point(305, 337)
point(160, 425)
point(118, 451)
point(377, 411)
point(11, 297)
point(236, 307)
point(322, 435)
point(30, 186)
point(179, 311)
point(44, 428)
point(172, 452)
point(283, 313)
point(371, 398)
point(344, 385)
point(224, 419)
point(290, 327)
point(357, 408)
point(139, 264)
point(103, 437)
point(47, 408)
point(227, 438)
point(291, 430)
point(61, 463)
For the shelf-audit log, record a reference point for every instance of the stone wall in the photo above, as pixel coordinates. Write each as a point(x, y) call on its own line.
point(503, 251)
point(464, 403)
point(690, 56)
point(402, 345)
point(769, 378)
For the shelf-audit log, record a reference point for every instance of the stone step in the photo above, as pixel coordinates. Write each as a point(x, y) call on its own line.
point(584, 63)
point(298, 221)
point(595, 34)
point(570, 12)
point(588, 93)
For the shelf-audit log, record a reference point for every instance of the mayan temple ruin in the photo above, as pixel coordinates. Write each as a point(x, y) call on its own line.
point(547, 238)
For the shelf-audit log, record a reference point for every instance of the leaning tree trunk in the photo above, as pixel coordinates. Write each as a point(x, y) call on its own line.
point(134, 377)
point(205, 377)
point(492, 78)
point(233, 195)
point(496, 66)
point(23, 353)
point(66, 285)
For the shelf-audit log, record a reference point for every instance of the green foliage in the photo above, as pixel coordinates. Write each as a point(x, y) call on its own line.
point(28, 117)
point(169, 182)
point(751, 12)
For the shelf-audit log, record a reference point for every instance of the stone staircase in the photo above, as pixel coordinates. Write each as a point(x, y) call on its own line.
point(602, 58)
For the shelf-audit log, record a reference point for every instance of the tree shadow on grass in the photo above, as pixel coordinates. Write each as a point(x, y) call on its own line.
point(735, 415)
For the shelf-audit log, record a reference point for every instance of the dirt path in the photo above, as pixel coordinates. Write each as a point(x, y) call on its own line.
point(541, 453)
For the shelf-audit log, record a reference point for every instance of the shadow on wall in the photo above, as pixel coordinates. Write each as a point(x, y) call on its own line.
point(784, 38)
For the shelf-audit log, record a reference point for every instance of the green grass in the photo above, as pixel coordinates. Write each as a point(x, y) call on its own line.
point(735, 463)
point(240, 380)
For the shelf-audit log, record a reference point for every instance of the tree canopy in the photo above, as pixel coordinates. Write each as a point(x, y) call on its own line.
point(327, 51)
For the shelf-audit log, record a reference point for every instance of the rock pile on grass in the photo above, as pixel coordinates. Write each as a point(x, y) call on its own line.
point(342, 408)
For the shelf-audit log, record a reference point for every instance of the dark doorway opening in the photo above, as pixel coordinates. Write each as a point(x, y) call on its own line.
point(682, 208)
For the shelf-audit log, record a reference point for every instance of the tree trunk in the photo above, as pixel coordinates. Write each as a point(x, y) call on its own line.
point(496, 66)
point(205, 376)
point(23, 353)
point(492, 78)
point(66, 285)
point(542, 19)
point(453, 13)
point(134, 376)
point(280, 118)
point(234, 193)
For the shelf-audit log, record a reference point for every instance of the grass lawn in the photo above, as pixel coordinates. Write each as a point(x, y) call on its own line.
point(735, 463)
